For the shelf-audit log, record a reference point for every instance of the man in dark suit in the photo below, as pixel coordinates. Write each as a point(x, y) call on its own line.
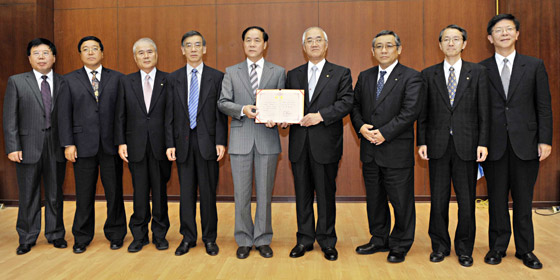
point(140, 136)
point(30, 112)
point(520, 137)
point(316, 142)
point(453, 136)
point(86, 122)
point(196, 135)
point(387, 101)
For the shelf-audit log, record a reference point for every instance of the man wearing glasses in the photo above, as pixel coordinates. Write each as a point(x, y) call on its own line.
point(453, 136)
point(387, 101)
point(520, 137)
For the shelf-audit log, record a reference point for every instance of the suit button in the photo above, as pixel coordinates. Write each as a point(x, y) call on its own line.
point(96, 110)
point(42, 129)
point(507, 108)
point(148, 118)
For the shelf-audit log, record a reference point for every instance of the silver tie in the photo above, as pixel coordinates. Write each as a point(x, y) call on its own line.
point(312, 81)
point(506, 74)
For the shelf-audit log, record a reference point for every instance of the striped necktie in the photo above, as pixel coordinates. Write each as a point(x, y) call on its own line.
point(193, 99)
point(380, 84)
point(254, 78)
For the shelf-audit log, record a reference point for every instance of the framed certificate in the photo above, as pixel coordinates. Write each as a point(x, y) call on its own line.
point(280, 105)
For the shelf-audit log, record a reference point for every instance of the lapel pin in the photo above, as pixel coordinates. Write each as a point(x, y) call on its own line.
point(328, 75)
point(468, 78)
point(161, 84)
point(396, 79)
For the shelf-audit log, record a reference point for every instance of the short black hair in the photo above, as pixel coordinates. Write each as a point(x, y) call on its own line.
point(265, 36)
point(40, 41)
point(387, 32)
point(190, 34)
point(88, 38)
point(500, 17)
point(454, 26)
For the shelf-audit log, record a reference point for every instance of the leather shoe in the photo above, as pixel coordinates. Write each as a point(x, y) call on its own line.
point(370, 248)
point(243, 252)
point(116, 244)
point(465, 260)
point(59, 243)
point(330, 253)
point(24, 248)
point(161, 243)
point(137, 245)
point(395, 256)
point(530, 260)
point(299, 250)
point(79, 248)
point(184, 248)
point(265, 251)
point(212, 248)
point(494, 257)
point(438, 256)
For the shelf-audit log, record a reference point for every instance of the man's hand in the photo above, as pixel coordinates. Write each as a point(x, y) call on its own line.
point(378, 138)
point(270, 124)
point(284, 125)
point(311, 119)
point(16, 156)
point(367, 132)
point(220, 151)
point(251, 111)
point(423, 152)
point(170, 154)
point(71, 153)
point(481, 153)
point(123, 152)
point(544, 151)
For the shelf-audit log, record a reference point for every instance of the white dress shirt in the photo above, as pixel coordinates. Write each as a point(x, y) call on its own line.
point(457, 69)
point(388, 69)
point(50, 79)
point(152, 75)
point(500, 61)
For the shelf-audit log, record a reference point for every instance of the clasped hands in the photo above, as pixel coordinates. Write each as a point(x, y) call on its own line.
point(374, 136)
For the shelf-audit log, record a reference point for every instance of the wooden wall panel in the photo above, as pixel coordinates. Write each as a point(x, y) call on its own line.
point(168, 3)
point(72, 4)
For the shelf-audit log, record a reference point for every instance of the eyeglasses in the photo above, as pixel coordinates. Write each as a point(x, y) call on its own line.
point(455, 40)
point(195, 46)
point(316, 41)
point(500, 30)
point(93, 50)
point(381, 46)
point(43, 53)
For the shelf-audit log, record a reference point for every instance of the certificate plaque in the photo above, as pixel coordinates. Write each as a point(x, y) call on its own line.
point(280, 105)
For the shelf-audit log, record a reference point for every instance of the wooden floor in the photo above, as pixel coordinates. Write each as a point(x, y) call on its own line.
point(99, 262)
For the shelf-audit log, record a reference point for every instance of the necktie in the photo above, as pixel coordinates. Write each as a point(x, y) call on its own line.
point(47, 99)
point(451, 85)
point(380, 84)
point(193, 99)
point(95, 85)
point(147, 92)
point(254, 78)
point(506, 73)
point(312, 81)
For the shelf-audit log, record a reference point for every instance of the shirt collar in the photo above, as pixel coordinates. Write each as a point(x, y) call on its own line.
point(152, 74)
point(500, 58)
point(457, 65)
point(198, 68)
point(388, 69)
point(259, 63)
point(319, 65)
point(98, 75)
point(39, 76)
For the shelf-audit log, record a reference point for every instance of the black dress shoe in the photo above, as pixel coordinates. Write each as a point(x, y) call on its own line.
point(330, 253)
point(161, 243)
point(243, 252)
point(438, 256)
point(396, 256)
point(494, 257)
point(370, 248)
point(24, 248)
point(265, 251)
point(530, 260)
point(116, 244)
point(79, 248)
point(184, 248)
point(299, 250)
point(212, 248)
point(59, 243)
point(465, 260)
point(137, 245)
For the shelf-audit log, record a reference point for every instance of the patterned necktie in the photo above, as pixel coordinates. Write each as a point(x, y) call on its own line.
point(451, 85)
point(312, 81)
point(506, 73)
point(147, 92)
point(254, 78)
point(95, 85)
point(47, 99)
point(380, 84)
point(193, 99)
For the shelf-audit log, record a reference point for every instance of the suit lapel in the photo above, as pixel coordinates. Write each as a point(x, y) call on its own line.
point(266, 74)
point(181, 90)
point(389, 84)
point(86, 82)
point(516, 75)
point(206, 81)
point(324, 79)
point(303, 83)
point(244, 77)
point(156, 89)
point(32, 82)
point(56, 88)
point(464, 81)
point(107, 76)
point(494, 76)
point(136, 81)
point(439, 79)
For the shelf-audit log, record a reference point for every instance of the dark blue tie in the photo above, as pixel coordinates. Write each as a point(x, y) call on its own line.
point(380, 84)
point(193, 99)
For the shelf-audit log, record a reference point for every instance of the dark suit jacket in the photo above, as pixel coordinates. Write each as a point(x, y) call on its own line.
point(526, 114)
point(211, 124)
point(393, 113)
point(24, 116)
point(134, 124)
point(333, 99)
point(82, 121)
point(469, 116)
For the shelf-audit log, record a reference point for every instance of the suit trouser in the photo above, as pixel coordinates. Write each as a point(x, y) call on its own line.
point(510, 173)
point(398, 185)
point(196, 171)
point(312, 177)
point(247, 233)
point(450, 167)
point(149, 174)
point(29, 176)
point(86, 172)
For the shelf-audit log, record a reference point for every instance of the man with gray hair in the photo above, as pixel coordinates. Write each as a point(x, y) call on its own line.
point(386, 104)
point(316, 142)
point(139, 134)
